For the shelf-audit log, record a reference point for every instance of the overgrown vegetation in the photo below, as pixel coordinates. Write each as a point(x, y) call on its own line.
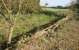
point(24, 25)
point(11, 9)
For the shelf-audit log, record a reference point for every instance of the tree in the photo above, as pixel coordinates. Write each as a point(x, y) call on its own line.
point(12, 8)
point(59, 6)
point(75, 6)
point(46, 4)
point(10, 20)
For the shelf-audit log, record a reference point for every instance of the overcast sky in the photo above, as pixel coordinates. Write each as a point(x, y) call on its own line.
point(55, 2)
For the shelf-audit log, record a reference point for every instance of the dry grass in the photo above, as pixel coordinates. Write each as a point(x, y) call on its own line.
point(65, 38)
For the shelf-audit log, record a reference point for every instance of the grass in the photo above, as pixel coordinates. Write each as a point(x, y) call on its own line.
point(57, 11)
point(66, 37)
point(25, 23)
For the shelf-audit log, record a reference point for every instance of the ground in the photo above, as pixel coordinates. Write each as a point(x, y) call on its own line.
point(25, 23)
point(61, 35)
point(66, 37)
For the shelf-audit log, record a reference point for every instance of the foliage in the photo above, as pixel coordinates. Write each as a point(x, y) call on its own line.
point(10, 9)
point(21, 6)
point(75, 6)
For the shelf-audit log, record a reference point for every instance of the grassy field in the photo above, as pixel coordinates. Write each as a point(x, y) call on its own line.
point(57, 11)
point(26, 23)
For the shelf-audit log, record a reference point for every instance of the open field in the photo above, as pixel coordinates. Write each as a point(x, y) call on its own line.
point(55, 10)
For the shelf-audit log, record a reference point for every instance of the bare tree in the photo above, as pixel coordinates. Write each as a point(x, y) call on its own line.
point(9, 19)
point(12, 8)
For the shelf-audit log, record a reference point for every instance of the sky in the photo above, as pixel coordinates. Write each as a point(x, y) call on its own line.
point(55, 2)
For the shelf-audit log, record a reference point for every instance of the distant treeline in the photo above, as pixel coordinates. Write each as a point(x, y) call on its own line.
point(58, 7)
